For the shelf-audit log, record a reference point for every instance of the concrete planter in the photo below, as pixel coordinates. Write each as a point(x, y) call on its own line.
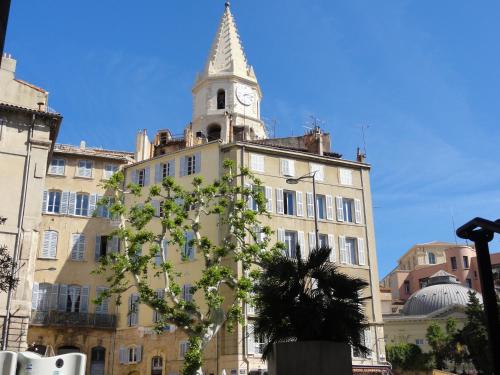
point(310, 357)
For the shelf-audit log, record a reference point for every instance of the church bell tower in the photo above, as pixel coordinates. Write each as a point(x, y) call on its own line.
point(226, 94)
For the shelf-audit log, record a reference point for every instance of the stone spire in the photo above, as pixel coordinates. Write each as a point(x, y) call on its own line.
point(226, 55)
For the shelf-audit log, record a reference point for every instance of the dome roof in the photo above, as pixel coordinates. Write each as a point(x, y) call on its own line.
point(443, 291)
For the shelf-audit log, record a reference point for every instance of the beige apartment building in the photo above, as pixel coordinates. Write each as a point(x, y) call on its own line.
point(226, 124)
point(73, 236)
point(28, 130)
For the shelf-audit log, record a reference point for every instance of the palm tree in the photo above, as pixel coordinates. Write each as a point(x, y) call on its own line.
point(308, 300)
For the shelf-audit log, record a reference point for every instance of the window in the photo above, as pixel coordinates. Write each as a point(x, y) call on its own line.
point(366, 340)
point(432, 258)
point(187, 294)
point(54, 202)
point(352, 251)
point(82, 204)
point(130, 354)
point(167, 169)
point(407, 287)
point(323, 240)
point(188, 248)
point(319, 169)
point(321, 206)
point(78, 246)
point(423, 282)
point(468, 282)
point(41, 297)
point(221, 99)
point(141, 177)
point(466, 261)
point(109, 170)
point(352, 256)
point(73, 300)
point(262, 189)
point(97, 360)
point(160, 293)
point(105, 245)
point(288, 202)
point(183, 348)
point(419, 341)
point(213, 132)
point(257, 162)
point(49, 246)
point(57, 167)
point(190, 164)
point(291, 243)
point(103, 307)
point(287, 168)
point(348, 209)
point(84, 168)
point(156, 365)
point(345, 176)
point(133, 310)
point(453, 263)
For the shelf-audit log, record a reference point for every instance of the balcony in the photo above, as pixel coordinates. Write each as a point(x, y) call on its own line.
point(72, 319)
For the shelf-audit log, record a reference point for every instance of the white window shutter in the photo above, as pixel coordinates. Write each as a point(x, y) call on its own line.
point(44, 201)
point(279, 201)
point(84, 299)
point(92, 204)
point(301, 241)
point(146, 176)
point(310, 204)
point(139, 353)
point(72, 203)
point(284, 167)
point(182, 171)
point(250, 339)
point(269, 198)
point(318, 168)
point(329, 207)
point(97, 248)
point(331, 245)
point(300, 204)
point(123, 355)
point(361, 252)
point(357, 209)
point(34, 296)
point(250, 198)
point(197, 164)
point(342, 250)
point(368, 341)
point(291, 167)
point(64, 203)
point(63, 297)
point(46, 244)
point(158, 172)
point(340, 208)
point(312, 241)
point(281, 235)
point(53, 244)
point(171, 168)
point(54, 295)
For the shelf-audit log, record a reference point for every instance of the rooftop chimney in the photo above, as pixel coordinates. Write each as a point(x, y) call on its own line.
point(8, 63)
point(82, 145)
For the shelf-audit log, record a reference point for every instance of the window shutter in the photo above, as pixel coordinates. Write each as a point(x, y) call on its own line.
point(182, 171)
point(340, 209)
point(343, 250)
point(269, 197)
point(279, 201)
point(139, 353)
point(72, 203)
point(123, 355)
point(197, 163)
point(34, 296)
point(357, 209)
point(284, 167)
point(63, 296)
point(53, 244)
point(300, 204)
point(92, 204)
point(171, 168)
point(64, 203)
point(54, 294)
point(156, 205)
point(303, 252)
point(84, 299)
point(361, 252)
point(46, 244)
point(250, 198)
point(186, 293)
point(312, 241)
point(345, 176)
point(329, 207)
point(74, 246)
point(134, 177)
point(331, 244)
point(44, 201)
point(250, 339)
point(158, 172)
point(310, 204)
point(281, 235)
point(115, 244)
point(97, 248)
point(146, 176)
point(368, 341)
point(318, 168)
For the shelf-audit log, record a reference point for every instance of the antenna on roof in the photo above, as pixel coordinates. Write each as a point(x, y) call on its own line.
point(271, 129)
point(454, 227)
point(363, 134)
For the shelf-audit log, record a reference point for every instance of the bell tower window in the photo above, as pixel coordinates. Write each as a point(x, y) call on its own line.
point(213, 132)
point(221, 99)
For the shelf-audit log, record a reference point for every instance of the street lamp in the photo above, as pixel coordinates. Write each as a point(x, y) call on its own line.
point(294, 181)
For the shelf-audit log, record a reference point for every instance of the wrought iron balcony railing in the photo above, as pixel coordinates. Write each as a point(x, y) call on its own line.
point(72, 319)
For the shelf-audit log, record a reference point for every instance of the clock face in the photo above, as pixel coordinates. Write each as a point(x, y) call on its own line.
point(245, 95)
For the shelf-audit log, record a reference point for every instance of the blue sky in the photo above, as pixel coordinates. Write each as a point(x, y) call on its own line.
point(424, 75)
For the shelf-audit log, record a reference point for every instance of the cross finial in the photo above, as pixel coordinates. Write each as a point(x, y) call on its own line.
point(227, 4)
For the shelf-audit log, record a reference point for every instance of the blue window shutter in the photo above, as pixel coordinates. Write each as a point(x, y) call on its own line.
point(182, 171)
point(146, 176)
point(44, 201)
point(64, 203)
point(84, 299)
point(72, 203)
point(139, 353)
point(171, 168)
point(123, 355)
point(53, 297)
point(197, 166)
point(135, 177)
point(97, 248)
point(92, 204)
point(158, 174)
point(34, 296)
point(63, 297)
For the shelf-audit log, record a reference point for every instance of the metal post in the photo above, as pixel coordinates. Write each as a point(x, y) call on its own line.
point(482, 231)
point(316, 231)
point(4, 18)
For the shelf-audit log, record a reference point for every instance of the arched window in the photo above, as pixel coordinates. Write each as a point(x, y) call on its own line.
point(432, 258)
point(97, 360)
point(157, 365)
point(221, 99)
point(213, 132)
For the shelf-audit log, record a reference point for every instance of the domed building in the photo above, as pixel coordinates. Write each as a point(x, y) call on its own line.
point(443, 297)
